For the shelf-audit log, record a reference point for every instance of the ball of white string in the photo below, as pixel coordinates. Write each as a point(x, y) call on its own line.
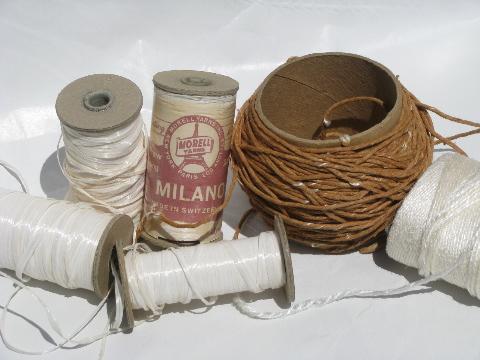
point(108, 167)
point(202, 271)
point(437, 230)
point(438, 226)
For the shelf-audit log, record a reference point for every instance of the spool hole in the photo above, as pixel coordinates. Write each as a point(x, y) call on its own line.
point(196, 81)
point(98, 100)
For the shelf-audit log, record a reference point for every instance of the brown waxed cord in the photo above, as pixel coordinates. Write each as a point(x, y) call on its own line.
point(331, 109)
point(348, 101)
point(246, 215)
point(454, 119)
point(336, 199)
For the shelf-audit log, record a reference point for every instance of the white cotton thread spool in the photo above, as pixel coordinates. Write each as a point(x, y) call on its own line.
point(436, 230)
point(105, 143)
point(189, 149)
point(178, 275)
point(69, 244)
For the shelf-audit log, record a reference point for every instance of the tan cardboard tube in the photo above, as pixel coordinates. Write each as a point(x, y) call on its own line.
point(305, 87)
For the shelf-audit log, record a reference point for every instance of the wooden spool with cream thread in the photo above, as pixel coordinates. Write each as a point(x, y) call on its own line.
point(105, 143)
point(194, 106)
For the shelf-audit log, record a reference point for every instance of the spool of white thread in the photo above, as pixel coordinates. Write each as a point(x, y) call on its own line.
point(189, 150)
point(69, 244)
point(105, 142)
point(437, 228)
point(178, 275)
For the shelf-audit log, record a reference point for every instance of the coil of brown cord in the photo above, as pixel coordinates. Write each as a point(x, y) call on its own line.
point(338, 181)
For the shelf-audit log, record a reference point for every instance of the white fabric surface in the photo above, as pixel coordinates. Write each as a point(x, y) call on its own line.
point(432, 45)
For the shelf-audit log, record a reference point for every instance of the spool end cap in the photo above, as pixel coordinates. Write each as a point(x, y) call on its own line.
point(282, 238)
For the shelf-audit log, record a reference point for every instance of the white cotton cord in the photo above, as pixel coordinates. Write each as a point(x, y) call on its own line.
point(107, 168)
point(437, 230)
point(178, 275)
point(15, 173)
point(296, 308)
point(56, 241)
point(49, 239)
point(70, 339)
point(52, 321)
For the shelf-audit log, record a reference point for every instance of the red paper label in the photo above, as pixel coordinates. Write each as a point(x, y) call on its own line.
point(186, 176)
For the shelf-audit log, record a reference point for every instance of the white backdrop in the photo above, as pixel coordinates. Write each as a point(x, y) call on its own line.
point(432, 45)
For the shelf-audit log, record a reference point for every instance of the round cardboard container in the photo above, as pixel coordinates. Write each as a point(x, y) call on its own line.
point(99, 102)
point(191, 82)
point(293, 99)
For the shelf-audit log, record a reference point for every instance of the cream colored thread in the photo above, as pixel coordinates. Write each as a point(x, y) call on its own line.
point(107, 168)
point(170, 107)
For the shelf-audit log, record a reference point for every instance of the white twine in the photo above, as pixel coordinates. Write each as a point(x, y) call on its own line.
point(48, 239)
point(56, 241)
point(178, 275)
point(107, 168)
point(437, 230)
point(12, 170)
